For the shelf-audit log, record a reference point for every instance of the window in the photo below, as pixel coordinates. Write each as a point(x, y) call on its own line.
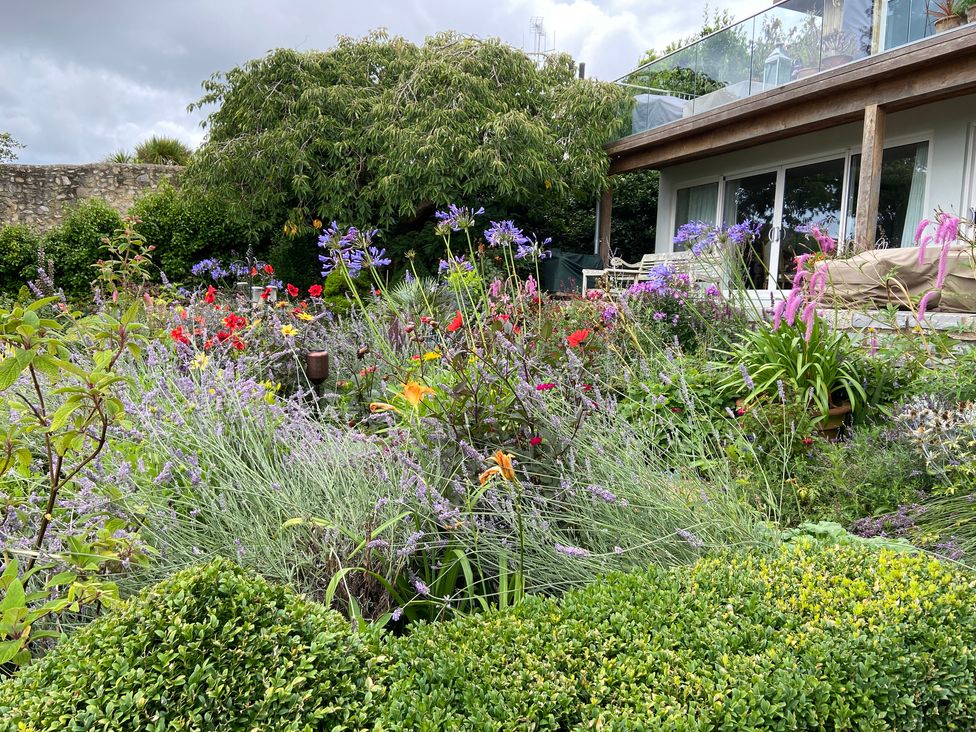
point(901, 202)
point(696, 203)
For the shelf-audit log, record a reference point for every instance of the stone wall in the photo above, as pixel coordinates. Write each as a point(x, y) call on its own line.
point(36, 194)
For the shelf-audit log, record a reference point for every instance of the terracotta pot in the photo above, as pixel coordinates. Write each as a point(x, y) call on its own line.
point(835, 60)
point(971, 14)
point(830, 427)
point(944, 24)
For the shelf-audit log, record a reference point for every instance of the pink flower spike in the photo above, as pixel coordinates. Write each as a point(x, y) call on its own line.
point(924, 304)
point(809, 312)
point(921, 248)
point(813, 319)
point(778, 314)
point(943, 266)
point(792, 306)
point(922, 225)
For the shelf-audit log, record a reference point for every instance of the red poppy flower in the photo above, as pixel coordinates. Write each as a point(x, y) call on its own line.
point(266, 293)
point(535, 441)
point(254, 271)
point(268, 269)
point(292, 290)
point(544, 387)
point(455, 323)
point(178, 335)
point(238, 344)
point(234, 321)
point(587, 387)
point(315, 290)
point(222, 335)
point(210, 296)
point(807, 441)
point(576, 338)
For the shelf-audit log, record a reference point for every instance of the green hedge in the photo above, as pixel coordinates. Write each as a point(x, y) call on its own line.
point(810, 637)
point(211, 648)
point(18, 257)
point(76, 244)
point(186, 226)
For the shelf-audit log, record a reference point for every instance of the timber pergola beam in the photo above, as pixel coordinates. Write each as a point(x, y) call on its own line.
point(929, 70)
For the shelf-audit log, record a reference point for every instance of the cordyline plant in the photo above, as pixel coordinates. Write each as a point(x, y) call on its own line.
point(60, 407)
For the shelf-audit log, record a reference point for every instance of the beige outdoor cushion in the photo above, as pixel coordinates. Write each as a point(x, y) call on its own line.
point(883, 276)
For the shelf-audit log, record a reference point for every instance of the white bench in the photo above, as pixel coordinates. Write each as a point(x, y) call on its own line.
point(620, 274)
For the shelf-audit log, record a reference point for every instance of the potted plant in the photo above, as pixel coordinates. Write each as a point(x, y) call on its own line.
point(947, 13)
point(967, 8)
point(820, 370)
point(839, 48)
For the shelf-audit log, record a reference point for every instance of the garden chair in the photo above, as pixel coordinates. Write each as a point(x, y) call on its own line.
point(620, 274)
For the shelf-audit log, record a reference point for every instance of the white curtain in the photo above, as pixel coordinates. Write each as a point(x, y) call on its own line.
point(916, 196)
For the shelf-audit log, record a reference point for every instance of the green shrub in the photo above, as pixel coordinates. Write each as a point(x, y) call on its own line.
point(869, 474)
point(211, 648)
point(810, 638)
point(75, 245)
point(18, 254)
point(185, 227)
point(296, 260)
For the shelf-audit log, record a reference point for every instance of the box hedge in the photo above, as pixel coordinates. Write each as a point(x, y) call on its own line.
point(810, 637)
point(210, 648)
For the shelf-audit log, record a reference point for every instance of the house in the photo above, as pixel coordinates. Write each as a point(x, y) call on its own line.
point(850, 114)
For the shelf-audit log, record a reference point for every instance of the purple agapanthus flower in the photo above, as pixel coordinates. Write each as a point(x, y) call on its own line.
point(533, 250)
point(454, 264)
point(504, 233)
point(456, 218)
point(354, 250)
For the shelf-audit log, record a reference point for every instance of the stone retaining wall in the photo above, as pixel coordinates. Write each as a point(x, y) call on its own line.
point(35, 195)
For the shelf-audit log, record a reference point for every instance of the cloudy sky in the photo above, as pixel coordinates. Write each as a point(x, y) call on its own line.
point(82, 79)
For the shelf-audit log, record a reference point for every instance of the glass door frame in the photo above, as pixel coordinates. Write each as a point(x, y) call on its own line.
point(776, 225)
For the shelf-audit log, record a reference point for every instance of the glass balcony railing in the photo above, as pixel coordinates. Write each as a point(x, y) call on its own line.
point(790, 41)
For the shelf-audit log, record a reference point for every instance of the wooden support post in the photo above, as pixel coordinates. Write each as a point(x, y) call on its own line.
point(606, 206)
point(869, 181)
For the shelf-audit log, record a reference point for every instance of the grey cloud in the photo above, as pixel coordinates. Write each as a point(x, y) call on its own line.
point(79, 80)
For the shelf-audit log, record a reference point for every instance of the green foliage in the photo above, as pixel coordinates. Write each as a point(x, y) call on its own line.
point(163, 151)
point(869, 474)
point(120, 156)
point(819, 635)
point(820, 370)
point(337, 295)
point(296, 259)
point(76, 244)
point(127, 265)
point(380, 131)
point(185, 227)
point(18, 253)
point(8, 146)
point(812, 638)
point(210, 649)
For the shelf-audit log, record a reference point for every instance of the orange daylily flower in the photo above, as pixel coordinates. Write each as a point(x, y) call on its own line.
point(503, 468)
point(375, 407)
point(414, 392)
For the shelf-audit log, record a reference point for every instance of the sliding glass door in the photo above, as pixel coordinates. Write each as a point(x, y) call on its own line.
point(753, 198)
point(901, 200)
point(783, 201)
point(812, 195)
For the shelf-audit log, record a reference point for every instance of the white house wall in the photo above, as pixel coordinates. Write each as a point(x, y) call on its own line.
point(949, 126)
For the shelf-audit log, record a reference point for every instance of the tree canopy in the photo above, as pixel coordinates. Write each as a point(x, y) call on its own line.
point(8, 146)
point(379, 131)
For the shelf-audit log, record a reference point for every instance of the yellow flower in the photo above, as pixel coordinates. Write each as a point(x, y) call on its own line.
point(431, 356)
point(281, 304)
point(317, 224)
point(200, 361)
point(414, 392)
point(548, 184)
point(503, 468)
point(289, 330)
point(302, 315)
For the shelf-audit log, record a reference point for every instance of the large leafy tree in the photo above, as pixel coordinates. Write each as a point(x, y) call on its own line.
point(380, 131)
